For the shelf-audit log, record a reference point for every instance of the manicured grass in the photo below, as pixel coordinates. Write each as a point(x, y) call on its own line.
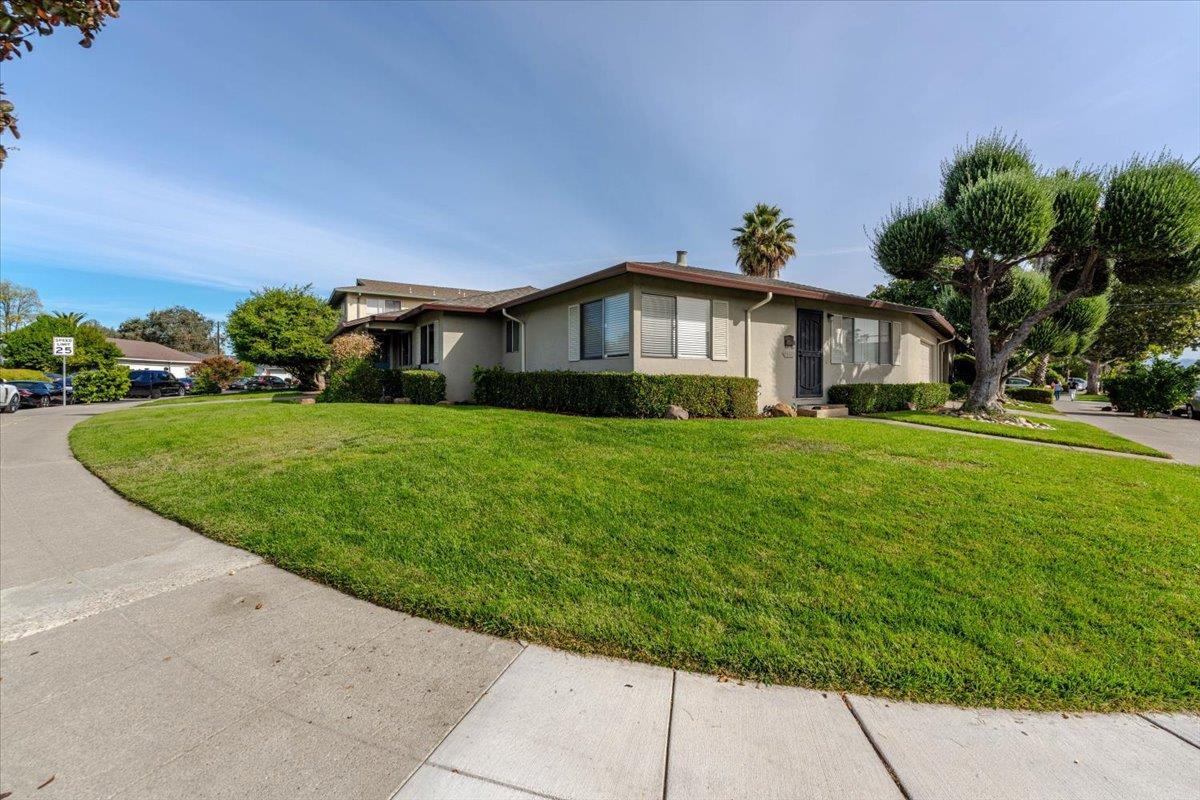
point(213, 398)
point(1078, 434)
point(837, 554)
point(1018, 406)
point(1097, 398)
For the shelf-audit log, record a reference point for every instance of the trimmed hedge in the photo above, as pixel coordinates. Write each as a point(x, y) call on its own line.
point(1031, 394)
point(423, 386)
point(100, 385)
point(13, 374)
point(870, 398)
point(616, 394)
point(354, 380)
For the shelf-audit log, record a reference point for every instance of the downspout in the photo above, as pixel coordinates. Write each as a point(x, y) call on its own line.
point(945, 361)
point(770, 296)
point(520, 325)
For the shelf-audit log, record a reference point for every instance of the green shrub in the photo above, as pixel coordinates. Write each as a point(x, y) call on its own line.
point(871, 398)
point(962, 368)
point(9, 374)
point(423, 386)
point(1031, 394)
point(354, 380)
point(1159, 388)
point(616, 394)
point(1053, 376)
point(959, 389)
point(100, 385)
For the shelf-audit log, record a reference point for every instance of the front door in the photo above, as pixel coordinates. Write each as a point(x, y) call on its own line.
point(808, 353)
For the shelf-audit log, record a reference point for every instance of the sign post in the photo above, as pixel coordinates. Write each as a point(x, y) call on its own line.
point(64, 346)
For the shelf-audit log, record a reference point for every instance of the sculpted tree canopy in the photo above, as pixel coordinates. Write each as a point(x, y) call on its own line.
point(285, 327)
point(764, 242)
point(20, 20)
point(178, 326)
point(999, 216)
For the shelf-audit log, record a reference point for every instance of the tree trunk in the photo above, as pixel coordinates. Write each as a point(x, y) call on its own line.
point(1039, 371)
point(984, 394)
point(1093, 377)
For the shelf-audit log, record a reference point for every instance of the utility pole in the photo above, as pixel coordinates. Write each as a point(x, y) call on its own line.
point(220, 350)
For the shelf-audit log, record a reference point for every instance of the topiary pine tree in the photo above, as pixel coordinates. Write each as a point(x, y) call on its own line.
point(998, 214)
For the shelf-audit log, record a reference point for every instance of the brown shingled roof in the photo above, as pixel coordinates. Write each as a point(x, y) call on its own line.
point(152, 351)
point(419, 291)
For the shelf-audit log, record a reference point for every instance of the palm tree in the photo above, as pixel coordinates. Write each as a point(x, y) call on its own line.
point(765, 241)
point(76, 318)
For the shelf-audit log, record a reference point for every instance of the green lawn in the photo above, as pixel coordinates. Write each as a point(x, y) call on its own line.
point(1078, 434)
point(1019, 406)
point(837, 554)
point(1098, 398)
point(216, 398)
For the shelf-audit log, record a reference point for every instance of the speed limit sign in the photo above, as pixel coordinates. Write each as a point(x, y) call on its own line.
point(64, 345)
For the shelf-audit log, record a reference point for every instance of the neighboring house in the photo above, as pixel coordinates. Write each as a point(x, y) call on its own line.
point(137, 354)
point(669, 318)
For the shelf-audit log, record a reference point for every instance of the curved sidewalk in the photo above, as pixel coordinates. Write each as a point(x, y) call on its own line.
point(142, 660)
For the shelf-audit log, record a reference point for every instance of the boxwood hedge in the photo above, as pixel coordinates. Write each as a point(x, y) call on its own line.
point(616, 394)
point(424, 386)
point(1031, 394)
point(870, 398)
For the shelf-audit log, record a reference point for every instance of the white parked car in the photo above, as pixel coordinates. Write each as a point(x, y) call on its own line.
point(1018, 383)
point(1193, 404)
point(10, 398)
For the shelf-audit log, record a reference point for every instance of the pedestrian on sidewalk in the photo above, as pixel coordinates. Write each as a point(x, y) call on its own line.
point(1071, 389)
point(1057, 390)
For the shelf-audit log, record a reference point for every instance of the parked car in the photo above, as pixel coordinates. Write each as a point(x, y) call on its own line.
point(10, 398)
point(58, 388)
point(1193, 404)
point(187, 383)
point(36, 394)
point(1018, 383)
point(239, 384)
point(267, 382)
point(153, 383)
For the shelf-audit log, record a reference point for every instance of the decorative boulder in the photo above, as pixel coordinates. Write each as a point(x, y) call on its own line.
point(781, 410)
point(675, 412)
point(403, 400)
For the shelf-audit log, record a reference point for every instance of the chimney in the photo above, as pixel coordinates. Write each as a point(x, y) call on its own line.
point(681, 258)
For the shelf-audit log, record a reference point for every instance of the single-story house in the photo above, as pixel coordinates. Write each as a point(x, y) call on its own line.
point(137, 354)
point(658, 318)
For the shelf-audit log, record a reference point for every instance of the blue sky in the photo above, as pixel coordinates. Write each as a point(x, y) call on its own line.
point(200, 150)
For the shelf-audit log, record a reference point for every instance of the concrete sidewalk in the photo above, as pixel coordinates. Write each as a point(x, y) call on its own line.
point(1177, 436)
point(140, 659)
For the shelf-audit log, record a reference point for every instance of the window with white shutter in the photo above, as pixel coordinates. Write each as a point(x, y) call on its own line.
point(616, 325)
point(658, 326)
point(572, 333)
point(720, 330)
point(692, 327)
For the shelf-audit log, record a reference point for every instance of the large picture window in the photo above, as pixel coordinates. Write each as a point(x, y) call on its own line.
point(861, 341)
point(604, 327)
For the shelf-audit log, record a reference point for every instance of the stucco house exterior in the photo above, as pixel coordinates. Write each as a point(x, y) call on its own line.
point(658, 318)
point(137, 354)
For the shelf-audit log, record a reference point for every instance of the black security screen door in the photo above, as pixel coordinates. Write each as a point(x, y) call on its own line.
point(808, 353)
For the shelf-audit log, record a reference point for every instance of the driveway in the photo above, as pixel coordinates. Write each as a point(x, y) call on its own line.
point(1178, 436)
point(142, 660)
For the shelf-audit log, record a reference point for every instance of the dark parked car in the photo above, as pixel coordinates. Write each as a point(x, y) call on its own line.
point(153, 383)
point(187, 384)
point(267, 382)
point(240, 383)
point(58, 389)
point(36, 394)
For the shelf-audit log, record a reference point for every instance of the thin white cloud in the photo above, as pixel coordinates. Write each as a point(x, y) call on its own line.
point(81, 214)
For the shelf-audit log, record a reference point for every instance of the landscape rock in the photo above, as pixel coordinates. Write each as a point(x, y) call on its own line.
point(443, 403)
point(675, 412)
point(780, 410)
point(403, 400)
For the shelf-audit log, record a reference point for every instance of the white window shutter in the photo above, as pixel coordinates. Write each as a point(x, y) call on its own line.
point(573, 333)
point(897, 338)
point(720, 330)
point(692, 327)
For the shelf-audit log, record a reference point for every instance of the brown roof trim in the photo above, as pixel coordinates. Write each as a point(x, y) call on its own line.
point(781, 289)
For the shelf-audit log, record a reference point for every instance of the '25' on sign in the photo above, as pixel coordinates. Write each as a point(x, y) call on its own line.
point(64, 345)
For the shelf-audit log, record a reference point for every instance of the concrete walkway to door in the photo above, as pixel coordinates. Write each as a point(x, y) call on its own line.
point(142, 660)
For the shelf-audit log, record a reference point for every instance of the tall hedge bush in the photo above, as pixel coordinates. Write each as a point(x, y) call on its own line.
point(100, 385)
point(1031, 394)
point(1159, 388)
point(616, 394)
point(353, 380)
point(423, 386)
point(871, 398)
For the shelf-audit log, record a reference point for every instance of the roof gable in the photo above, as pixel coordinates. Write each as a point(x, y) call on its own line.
point(137, 350)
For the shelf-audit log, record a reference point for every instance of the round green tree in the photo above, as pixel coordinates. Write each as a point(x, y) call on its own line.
point(33, 345)
point(285, 327)
point(999, 216)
